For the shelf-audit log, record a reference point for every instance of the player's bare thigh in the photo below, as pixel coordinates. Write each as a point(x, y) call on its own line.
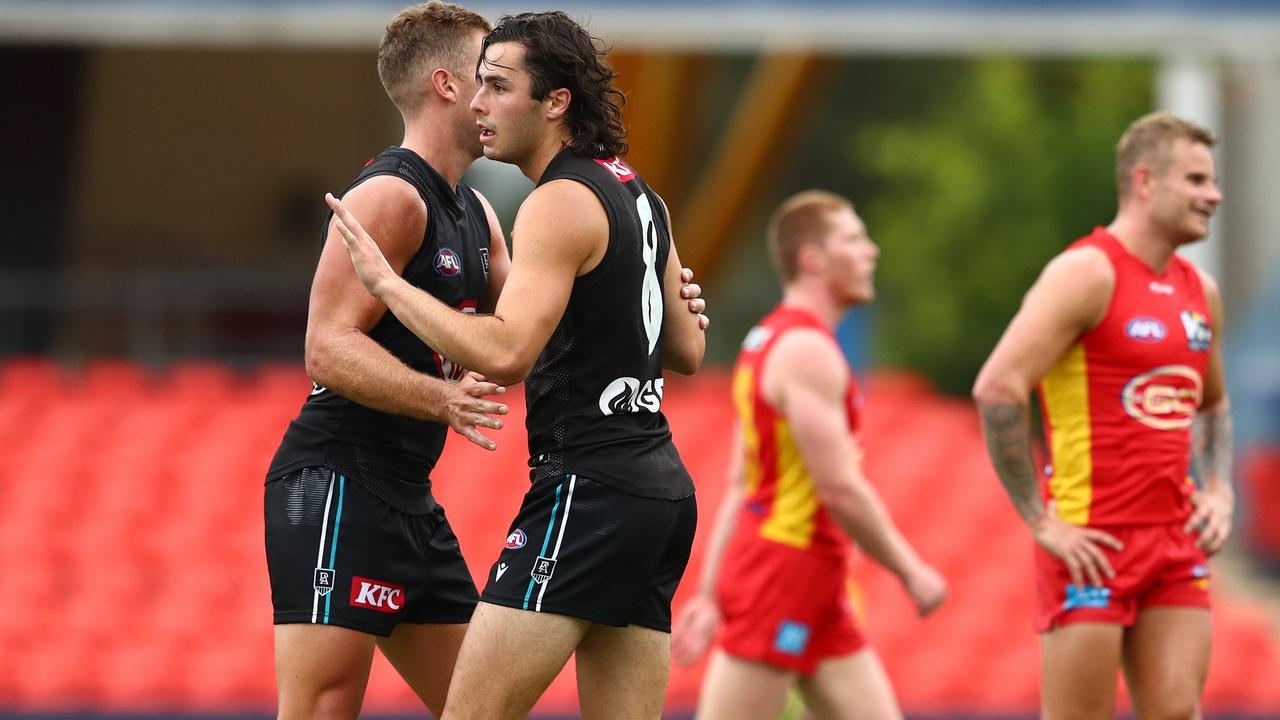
point(1166, 661)
point(1079, 666)
point(507, 659)
point(622, 672)
point(424, 654)
point(852, 687)
point(735, 689)
point(321, 670)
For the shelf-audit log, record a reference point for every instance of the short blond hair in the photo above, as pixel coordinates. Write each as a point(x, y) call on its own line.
point(1149, 140)
point(422, 38)
point(802, 219)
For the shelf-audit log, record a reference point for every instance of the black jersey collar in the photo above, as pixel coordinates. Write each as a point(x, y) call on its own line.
point(446, 195)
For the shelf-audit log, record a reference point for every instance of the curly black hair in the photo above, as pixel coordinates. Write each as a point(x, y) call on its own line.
point(560, 53)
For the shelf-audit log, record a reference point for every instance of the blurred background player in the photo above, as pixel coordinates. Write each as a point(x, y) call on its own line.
point(776, 573)
point(1123, 337)
point(592, 314)
point(357, 548)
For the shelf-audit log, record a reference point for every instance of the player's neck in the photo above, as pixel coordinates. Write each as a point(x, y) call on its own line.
point(439, 148)
point(814, 300)
point(536, 163)
point(1143, 240)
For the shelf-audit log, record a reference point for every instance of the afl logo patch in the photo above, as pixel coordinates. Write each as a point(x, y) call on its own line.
point(516, 539)
point(1145, 330)
point(448, 263)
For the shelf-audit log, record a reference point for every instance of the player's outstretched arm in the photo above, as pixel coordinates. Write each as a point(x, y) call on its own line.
point(1211, 441)
point(807, 378)
point(340, 355)
point(550, 246)
point(1068, 299)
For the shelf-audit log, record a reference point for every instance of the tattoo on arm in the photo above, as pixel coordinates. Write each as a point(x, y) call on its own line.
point(1006, 428)
point(1211, 446)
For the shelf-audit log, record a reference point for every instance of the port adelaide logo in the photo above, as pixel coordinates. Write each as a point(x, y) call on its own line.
point(543, 569)
point(323, 580)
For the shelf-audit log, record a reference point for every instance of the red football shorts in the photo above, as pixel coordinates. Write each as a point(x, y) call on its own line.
point(1160, 565)
point(785, 607)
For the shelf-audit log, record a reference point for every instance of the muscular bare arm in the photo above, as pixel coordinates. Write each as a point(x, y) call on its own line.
point(550, 249)
point(341, 356)
point(805, 377)
point(1211, 441)
point(1068, 299)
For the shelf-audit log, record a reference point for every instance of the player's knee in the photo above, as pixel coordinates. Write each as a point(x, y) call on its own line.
point(1170, 707)
point(337, 701)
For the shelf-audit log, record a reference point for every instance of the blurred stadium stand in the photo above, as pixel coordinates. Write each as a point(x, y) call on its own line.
point(131, 546)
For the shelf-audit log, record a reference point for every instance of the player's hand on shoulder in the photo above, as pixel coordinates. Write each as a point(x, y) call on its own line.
point(926, 587)
point(1077, 546)
point(693, 630)
point(371, 265)
point(691, 291)
point(1214, 506)
point(468, 410)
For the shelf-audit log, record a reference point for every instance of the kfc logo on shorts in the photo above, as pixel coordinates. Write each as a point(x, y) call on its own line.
point(376, 595)
point(1145, 330)
point(516, 539)
point(448, 263)
point(618, 168)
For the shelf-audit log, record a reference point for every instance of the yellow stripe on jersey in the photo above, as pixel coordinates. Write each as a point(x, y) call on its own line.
point(1065, 392)
point(795, 505)
point(743, 386)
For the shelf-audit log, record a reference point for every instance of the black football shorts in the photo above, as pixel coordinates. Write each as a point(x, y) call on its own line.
point(582, 548)
point(339, 555)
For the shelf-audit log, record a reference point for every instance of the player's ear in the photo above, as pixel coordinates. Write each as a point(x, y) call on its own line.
point(444, 84)
point(559, 103)
point(1140, 180)
point(809, 258)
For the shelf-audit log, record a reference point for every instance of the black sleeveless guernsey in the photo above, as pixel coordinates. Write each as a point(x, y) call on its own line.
point(391, 455)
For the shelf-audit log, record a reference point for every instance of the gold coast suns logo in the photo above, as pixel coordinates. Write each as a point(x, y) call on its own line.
point(1165, 398)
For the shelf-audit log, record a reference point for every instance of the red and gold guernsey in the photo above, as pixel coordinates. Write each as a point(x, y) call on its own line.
point(781, 503)
point(1118, 405)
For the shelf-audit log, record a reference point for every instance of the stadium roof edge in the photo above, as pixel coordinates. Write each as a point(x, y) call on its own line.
point(835, 27)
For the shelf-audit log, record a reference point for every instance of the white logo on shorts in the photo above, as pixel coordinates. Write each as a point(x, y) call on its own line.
point(502, 569)
point(543, 568)
point(323, 582)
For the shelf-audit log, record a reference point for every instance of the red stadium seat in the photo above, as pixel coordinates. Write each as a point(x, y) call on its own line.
point(131, 517)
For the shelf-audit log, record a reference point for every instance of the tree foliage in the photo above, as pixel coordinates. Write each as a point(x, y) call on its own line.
point(995, 174)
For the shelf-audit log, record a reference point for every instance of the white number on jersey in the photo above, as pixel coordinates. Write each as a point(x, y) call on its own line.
point(650, 290)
